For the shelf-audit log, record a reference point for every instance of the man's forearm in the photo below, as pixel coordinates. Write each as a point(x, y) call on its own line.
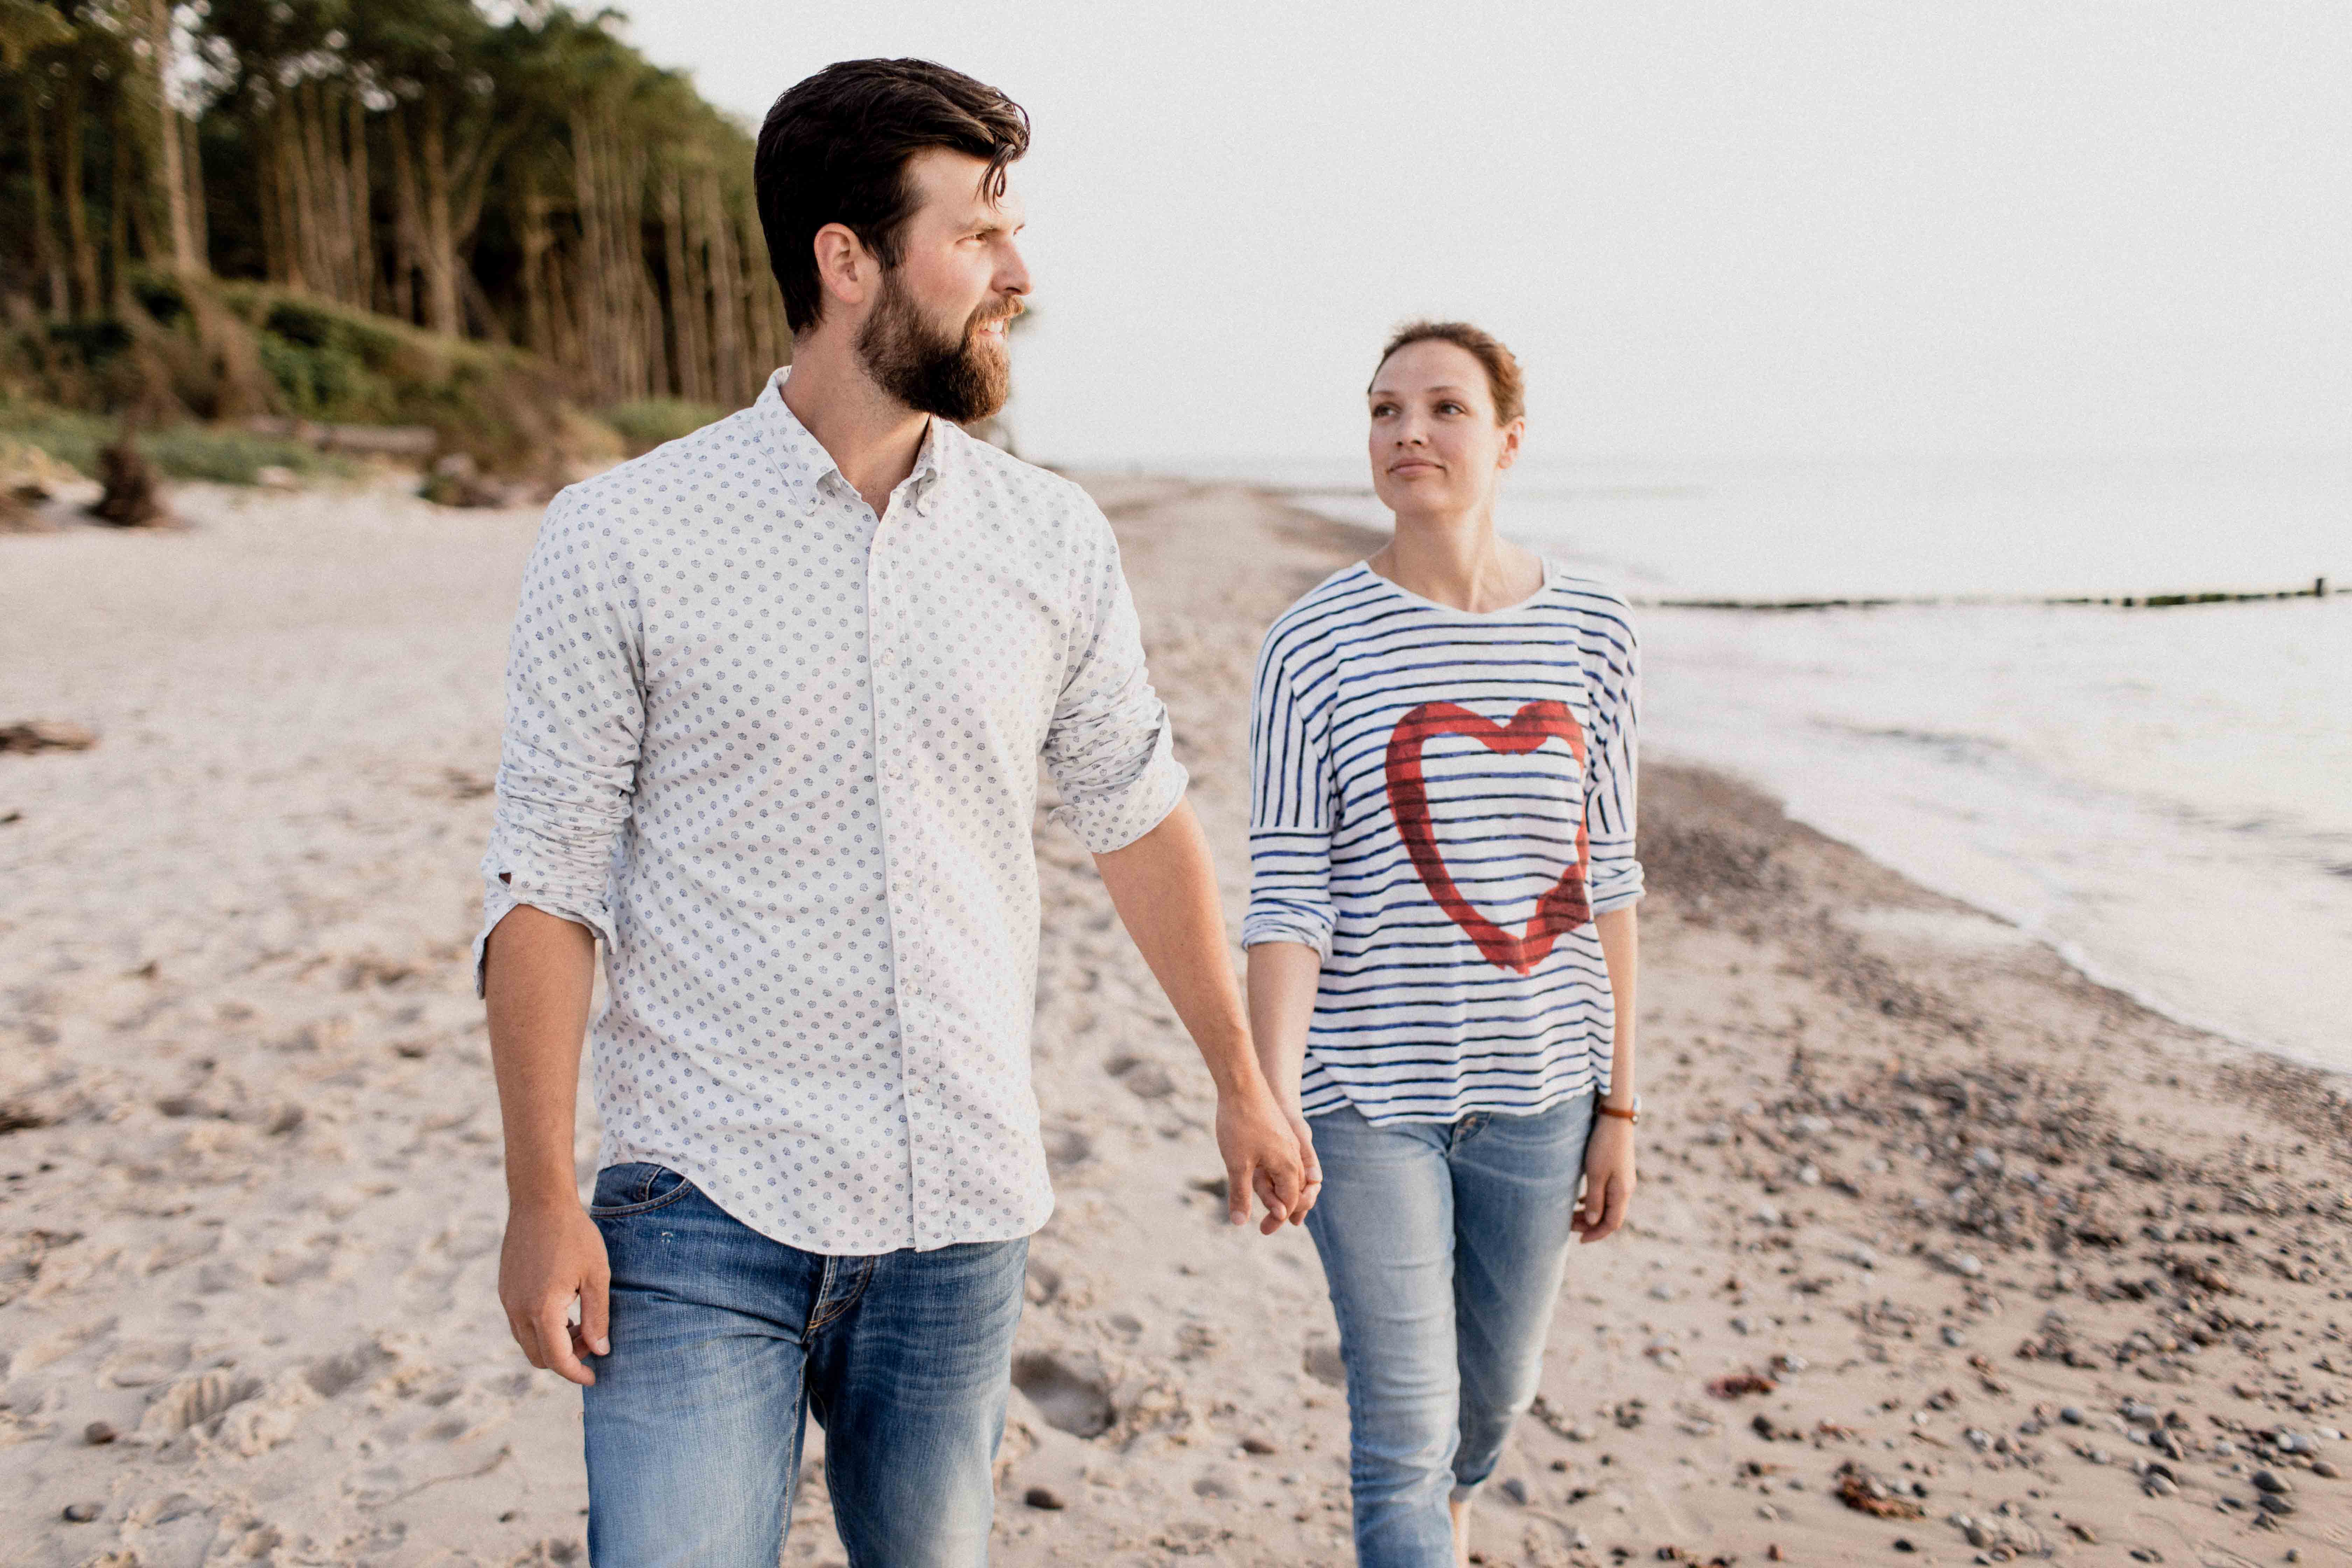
point(1621, 949)
point(1164, 887)
point(538, 972)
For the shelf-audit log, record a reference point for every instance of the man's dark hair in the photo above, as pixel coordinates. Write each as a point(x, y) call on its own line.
point(834, 148)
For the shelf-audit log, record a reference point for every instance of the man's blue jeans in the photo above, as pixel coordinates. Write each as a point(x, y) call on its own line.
point(1444, 1244)
point(723, 1340)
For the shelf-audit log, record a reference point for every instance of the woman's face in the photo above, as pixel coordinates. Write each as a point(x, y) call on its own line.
point(1435, 447)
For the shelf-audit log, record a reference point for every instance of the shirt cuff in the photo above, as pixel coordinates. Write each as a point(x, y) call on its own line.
point(1116, 818)
point(1616, 891)
point(1286, 926)
point(499, 899)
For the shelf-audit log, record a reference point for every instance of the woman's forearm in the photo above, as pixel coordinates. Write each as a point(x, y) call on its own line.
point(1621, 950)
point(1282, 982)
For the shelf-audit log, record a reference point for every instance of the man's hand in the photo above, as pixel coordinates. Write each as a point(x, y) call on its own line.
point(1263, 1157)
point(554, 1256)
point(1608, 1180)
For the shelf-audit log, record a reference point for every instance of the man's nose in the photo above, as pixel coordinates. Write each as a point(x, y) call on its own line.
point(1011, 272)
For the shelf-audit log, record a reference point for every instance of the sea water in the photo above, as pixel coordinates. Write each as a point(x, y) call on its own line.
point(2165, 795)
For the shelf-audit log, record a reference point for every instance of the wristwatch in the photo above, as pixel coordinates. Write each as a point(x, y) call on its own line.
point(1633, 1116)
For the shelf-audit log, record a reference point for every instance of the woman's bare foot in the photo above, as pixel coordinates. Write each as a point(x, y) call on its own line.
point(1460, 1508)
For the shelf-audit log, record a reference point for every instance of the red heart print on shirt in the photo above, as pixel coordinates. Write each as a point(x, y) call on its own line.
point(1564, 906)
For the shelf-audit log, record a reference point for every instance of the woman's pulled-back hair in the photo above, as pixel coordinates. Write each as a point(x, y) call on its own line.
point(833, 149)
point(1502, 370)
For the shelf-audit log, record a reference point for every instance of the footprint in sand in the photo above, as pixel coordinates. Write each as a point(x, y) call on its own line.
point(195, 1403)
point(1068, 1148)
point(1070, 1392)
point(334, 1374)
point(143, 1362)
point(1145, 1080)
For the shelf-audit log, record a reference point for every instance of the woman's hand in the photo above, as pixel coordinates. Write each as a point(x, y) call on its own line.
point(1314, 1188)
point(1608, 1180)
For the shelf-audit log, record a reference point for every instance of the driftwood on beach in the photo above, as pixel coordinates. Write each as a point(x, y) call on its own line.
point(2318, 590)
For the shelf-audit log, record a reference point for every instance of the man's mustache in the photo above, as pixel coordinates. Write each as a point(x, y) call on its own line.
point(981, 323)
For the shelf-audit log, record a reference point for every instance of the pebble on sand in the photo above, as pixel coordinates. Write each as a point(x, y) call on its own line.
point(1044, 1497)
point(47, 735)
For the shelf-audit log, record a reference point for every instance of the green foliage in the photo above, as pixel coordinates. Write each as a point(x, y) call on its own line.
point(648, 422)
point(182, 451)
point(512, 172)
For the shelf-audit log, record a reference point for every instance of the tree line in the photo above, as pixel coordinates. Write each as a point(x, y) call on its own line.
point(521, 176)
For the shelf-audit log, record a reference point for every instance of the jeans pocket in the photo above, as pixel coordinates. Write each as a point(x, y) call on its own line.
point(624, 1190)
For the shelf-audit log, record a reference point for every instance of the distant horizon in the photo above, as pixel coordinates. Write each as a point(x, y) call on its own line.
point(1528, 466)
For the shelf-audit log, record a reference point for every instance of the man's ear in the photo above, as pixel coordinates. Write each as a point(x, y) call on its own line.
point(845, 270)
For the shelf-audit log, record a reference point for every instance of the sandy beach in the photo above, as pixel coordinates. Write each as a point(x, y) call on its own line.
point(1943, 1253)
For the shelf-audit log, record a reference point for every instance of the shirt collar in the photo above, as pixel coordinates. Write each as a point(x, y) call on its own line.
point(806, 467)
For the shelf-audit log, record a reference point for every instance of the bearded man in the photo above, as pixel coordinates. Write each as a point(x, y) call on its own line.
point(776, 695)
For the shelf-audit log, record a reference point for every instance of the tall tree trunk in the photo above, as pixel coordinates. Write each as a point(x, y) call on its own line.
point(76, 197)
point(168, 186)
point(264, 175)
point(687, 352)
point(726, 267)
point(440, 249)
point(286, 178)
point(358, 215)
point(408, 222)
point(767, 353)
point(597, 304)
point(119, 200)
point(192, 163)
point(538, 330)
point(45, 237)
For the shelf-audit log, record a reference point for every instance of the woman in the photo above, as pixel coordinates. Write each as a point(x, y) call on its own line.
point(1442, 938)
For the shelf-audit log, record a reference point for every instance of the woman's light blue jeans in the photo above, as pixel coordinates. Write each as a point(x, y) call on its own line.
point(1444, 1244)
point(723, 1341)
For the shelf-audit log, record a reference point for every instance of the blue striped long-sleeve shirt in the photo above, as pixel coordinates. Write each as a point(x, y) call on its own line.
point(1440, 804)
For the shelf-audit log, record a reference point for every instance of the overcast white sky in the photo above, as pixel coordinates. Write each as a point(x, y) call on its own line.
point(1739, 228)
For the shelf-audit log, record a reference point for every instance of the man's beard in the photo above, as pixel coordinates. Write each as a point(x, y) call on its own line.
point(962, 380)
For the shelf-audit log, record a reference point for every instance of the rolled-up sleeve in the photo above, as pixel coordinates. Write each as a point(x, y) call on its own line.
point(1291, 815)
point(575, 720)
point(1110, 749)
point(1612, 776)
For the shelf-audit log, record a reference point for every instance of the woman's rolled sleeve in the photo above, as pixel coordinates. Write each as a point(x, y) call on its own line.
point(1110, 749)
point(1290, 814)
point(576, 719)
point(1611, 784)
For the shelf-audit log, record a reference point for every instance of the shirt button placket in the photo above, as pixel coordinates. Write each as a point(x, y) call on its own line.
point(898, 888)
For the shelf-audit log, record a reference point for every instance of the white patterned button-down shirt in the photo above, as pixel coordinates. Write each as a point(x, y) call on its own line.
point(783, 759)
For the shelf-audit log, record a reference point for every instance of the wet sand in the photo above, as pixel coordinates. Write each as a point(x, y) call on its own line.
point(1932, 1187)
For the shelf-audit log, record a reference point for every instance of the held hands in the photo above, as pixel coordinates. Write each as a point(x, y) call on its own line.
point(1268, 1154)
point(1608, 1180)
point(553, 1255)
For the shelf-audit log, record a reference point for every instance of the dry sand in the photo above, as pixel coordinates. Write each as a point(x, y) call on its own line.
point(2025, 1266)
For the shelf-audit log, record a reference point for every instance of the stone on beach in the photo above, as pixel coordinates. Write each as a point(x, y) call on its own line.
point(132, 496)
point(29, 735)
